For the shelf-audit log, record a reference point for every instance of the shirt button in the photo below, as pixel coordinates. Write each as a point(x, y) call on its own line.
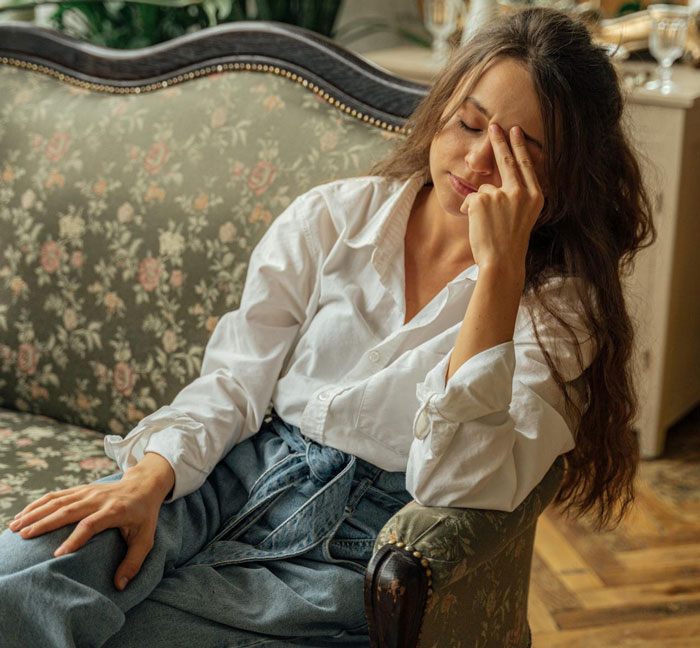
point(324, 395)
point(373, 356)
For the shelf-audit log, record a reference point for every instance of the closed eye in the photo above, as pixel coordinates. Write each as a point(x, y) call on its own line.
point(468, 128)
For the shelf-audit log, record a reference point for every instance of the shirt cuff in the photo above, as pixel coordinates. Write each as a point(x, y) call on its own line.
point(481, 386)
point(169, 442)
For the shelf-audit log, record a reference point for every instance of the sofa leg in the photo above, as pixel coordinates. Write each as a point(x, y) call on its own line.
point(396, 592)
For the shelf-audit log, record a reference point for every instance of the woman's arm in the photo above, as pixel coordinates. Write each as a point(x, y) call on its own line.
point(490, 316)
point(487, 437)
point(500, 222)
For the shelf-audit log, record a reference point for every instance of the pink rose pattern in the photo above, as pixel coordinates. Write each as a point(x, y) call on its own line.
point(102, 327)
point(149, 272)
point(27, 358)
point(156, 157)
point(124, 378)
point(261, 177)
point(50, 256)
point(57, 146)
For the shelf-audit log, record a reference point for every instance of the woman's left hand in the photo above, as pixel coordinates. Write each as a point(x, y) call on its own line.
point(501, 219)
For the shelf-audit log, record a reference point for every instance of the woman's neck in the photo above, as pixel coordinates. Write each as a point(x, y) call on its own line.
point(433, 234)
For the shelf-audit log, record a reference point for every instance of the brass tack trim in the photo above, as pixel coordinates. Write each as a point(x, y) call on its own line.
point(256, 67)
point(417, 554)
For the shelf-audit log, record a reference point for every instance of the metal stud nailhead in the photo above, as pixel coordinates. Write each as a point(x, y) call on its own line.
point(98, 87)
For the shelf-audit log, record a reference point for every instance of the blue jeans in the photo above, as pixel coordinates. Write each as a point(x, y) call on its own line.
point(270, 551)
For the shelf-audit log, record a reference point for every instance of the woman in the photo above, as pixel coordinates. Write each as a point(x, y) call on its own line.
point(440, 330)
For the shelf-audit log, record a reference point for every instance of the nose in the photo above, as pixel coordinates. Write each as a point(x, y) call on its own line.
point(480, 158)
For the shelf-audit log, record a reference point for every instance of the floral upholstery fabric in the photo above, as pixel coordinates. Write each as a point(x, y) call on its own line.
point(39, 455)
point(127, 222)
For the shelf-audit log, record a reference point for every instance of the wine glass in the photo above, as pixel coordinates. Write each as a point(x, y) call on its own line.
point(440, 17)
point(669, 27)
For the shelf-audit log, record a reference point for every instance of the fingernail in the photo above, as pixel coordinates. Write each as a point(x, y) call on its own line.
point(494, 129)
point(26, 531)
point(122, 582)
point(14, 524)
point(516, 131)
point(60, 551)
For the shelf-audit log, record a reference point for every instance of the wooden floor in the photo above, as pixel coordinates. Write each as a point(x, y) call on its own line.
point(637, 586)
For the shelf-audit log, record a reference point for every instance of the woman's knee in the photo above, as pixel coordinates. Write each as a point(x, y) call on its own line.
point(19, 554)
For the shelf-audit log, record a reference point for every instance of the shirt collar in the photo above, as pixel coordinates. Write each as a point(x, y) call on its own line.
point(386, 230)
point(387, 227)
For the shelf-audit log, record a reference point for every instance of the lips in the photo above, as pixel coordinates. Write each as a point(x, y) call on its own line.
point(461, 187)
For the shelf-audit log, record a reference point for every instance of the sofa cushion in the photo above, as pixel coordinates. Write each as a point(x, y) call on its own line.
point(39, 454)
point(128, 220)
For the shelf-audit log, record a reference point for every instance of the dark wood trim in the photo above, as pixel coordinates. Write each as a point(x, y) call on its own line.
point(346, 76)
point(396, 592)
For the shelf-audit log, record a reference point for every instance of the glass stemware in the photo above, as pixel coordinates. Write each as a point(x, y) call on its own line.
point(440, 17)
point(669, 28)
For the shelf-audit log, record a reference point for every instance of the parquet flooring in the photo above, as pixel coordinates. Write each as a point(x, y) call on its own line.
point(637, 586)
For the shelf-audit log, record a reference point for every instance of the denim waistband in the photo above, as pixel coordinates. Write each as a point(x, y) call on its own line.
point(324, 461)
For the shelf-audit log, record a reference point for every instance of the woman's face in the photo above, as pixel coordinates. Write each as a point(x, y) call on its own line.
point(461, 156)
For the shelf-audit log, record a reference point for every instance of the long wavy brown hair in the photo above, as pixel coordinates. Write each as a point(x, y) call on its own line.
point(596, 216)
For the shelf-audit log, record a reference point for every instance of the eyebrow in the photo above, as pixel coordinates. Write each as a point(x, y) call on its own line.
point(486, 113)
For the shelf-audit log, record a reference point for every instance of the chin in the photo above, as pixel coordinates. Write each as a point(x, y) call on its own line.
point(450, 201)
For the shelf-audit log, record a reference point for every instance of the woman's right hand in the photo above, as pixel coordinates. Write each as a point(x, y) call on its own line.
point(131, 505)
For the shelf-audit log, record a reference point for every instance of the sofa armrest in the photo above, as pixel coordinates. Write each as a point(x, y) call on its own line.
point(424, 550)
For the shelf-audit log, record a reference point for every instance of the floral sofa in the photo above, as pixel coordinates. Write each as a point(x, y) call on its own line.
point(132, 191)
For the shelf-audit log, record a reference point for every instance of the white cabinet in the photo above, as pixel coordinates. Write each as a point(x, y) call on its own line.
point(663, 291)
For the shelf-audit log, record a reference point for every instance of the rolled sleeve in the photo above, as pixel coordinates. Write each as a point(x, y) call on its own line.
point(481, 386)
point(488, 436)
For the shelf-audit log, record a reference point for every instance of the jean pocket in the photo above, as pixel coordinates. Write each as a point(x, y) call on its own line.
point(355, 556)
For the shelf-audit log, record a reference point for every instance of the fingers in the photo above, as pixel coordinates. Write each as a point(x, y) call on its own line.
point(505, 160)
point(515, 164)
point(46, 498)
point(54, 503)
point(139, 548)
point(67, 514)
point(84, 530)
point(524, 161)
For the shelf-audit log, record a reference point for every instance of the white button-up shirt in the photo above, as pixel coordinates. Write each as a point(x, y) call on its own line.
point(320, 331)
